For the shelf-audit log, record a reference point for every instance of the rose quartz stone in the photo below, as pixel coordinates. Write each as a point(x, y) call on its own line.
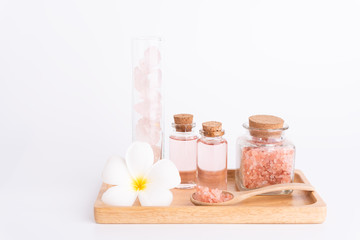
point(211, 195)
point(148, 131)
point(157, 152)
point(262, 166)
point(147, 81)
point(151, 60)
point(141, 82)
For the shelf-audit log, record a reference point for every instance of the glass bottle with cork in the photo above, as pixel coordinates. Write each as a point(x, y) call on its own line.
point(212, 157)
point(264, 156)
point(182, 152)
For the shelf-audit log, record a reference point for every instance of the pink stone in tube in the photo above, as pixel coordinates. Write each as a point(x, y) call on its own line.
point(147, 81)
point(141, 82)
point(157, 152)
point(148, 131)
point(154, 98)
point(149, 109)
point(144, 66)
point(155, 79)
point(153, 56)
point(151, 60)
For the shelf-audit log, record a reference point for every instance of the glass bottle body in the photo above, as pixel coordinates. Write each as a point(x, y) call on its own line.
point(183, 151)
point(212, 162)
point(263, 161)
point(147, 106)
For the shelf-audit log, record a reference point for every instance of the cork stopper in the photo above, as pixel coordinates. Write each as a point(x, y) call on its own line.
point(264, 124)
point(183, 122)
point(212, 129)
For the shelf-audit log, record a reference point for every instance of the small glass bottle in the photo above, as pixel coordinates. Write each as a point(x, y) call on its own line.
point(263, 156)
point(182, 144)
point(212, 157)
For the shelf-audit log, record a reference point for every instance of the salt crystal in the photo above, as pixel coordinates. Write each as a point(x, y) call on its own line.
point(211, 195)
point(262, 167)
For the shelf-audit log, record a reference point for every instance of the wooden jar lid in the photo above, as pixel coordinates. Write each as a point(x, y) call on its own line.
point(183, 122)
point(212, 129)
point(265, 122)
point(262, 123)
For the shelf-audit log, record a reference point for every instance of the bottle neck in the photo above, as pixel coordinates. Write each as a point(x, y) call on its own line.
point(181, 128)
point(183, 131)
point(266, 136)
point(267, 139)
point(183, 134)
point(211, 139)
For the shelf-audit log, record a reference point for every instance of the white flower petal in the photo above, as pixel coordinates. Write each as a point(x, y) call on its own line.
point(164, 174)
point(155, 197)
point(139, 159)
point(119, 196)
point(115, 172)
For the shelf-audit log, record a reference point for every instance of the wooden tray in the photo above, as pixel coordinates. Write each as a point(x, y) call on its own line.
point(299, 207)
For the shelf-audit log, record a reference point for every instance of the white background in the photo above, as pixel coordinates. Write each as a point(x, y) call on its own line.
point(65, 102)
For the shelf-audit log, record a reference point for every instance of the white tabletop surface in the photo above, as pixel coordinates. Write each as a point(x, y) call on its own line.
point(65, 102)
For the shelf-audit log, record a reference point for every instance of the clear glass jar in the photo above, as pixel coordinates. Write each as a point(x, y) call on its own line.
point(264, 157)
point(182, 145)
point(212, 157)
point(147, 106)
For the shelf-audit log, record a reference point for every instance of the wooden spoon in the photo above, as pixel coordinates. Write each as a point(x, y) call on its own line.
point(240, 196)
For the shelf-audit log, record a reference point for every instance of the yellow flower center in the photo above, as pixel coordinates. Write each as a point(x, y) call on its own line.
point(139, 183)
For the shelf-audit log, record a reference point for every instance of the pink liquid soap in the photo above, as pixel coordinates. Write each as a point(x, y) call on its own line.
point(183, 154)
point(212, 157)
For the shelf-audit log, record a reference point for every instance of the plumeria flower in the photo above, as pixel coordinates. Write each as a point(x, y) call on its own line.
point(136, 176)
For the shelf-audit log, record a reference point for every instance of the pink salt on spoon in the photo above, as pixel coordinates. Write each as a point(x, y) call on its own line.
point(216, 197)
point(211, 195)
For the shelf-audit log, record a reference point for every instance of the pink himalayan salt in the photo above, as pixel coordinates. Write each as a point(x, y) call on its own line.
point(262, 166)
point(211, 195)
